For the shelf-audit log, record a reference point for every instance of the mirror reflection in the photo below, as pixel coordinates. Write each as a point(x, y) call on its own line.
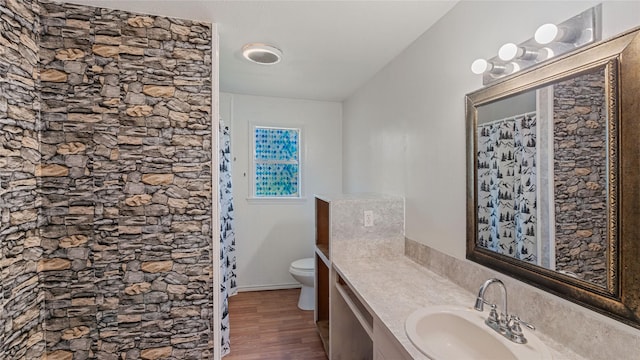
point(543, 166)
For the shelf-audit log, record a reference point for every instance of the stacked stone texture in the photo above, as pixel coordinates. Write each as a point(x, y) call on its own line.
point(580, 150)
point(21, 297)
point(118, 163)
point(68, 93)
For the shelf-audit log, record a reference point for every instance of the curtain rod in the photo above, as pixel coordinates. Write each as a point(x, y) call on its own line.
point(492, 122)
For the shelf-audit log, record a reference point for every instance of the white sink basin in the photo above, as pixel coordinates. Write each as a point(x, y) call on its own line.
point(456, 333)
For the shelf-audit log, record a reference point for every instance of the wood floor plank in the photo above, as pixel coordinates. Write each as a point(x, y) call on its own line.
point(267, 325)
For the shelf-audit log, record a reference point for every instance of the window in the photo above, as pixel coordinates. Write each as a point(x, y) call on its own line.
point(276, 162)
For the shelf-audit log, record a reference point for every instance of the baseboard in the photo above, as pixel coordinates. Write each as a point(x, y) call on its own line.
point(268, 287)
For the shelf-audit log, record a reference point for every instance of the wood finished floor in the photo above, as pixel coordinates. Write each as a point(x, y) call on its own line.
point(267, 325)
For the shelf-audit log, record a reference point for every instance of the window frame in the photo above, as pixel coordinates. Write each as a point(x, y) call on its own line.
point(252, 167)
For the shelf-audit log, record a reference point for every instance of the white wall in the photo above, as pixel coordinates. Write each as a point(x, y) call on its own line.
point(404, 130)
point(270, 234)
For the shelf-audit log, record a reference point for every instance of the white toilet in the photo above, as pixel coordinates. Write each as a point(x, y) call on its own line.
point(303, 271)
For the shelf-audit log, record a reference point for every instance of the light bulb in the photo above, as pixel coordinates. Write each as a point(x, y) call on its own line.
point(512, 67)
point(546, 34)
point(545, 53)
point(508, 51)
point(586, 36)
point(479, 66)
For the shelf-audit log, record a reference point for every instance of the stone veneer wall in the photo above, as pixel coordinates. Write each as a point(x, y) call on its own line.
point(21, 296)
point(580, 176)
point(124, 252)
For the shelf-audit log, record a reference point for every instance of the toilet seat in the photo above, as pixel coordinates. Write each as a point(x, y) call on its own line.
point(303, 264)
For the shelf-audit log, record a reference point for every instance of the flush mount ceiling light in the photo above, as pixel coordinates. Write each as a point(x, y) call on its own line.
point(261, 53)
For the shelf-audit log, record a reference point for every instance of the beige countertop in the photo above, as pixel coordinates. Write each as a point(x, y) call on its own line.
point(393, 286)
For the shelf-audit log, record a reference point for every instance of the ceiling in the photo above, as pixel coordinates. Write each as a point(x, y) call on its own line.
point(330, 48)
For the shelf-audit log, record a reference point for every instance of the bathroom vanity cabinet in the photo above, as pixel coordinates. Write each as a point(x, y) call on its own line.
point(386, 347)
point(322, 266)
point(366, 287)
point(357, 332)
point(347, 326)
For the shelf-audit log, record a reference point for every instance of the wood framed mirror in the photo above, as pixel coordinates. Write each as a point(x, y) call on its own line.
point(553, 176)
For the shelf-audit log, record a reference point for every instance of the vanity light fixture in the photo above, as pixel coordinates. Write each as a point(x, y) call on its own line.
point(549, 41)
point(479, 66)
point(546, 34)
point(482, 66)
point(549, 33)
point(262, 54)
point(545, 53)
point(511, 51)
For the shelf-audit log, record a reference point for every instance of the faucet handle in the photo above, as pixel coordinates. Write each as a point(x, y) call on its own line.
point(515, 321)
point(515, 331)
point(493, 315)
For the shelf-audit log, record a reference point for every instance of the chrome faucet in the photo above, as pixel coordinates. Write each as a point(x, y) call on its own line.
point(505, 324)
point(494, 321)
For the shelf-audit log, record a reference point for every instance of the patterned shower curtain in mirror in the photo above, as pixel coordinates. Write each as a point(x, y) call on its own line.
point(227, 237)
point(507, 187)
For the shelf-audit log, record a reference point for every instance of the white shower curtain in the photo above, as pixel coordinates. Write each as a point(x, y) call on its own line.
point(507, 187)
point(227, 237)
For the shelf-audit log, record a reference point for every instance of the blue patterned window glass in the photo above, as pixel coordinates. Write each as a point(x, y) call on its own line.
point(276, 162)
